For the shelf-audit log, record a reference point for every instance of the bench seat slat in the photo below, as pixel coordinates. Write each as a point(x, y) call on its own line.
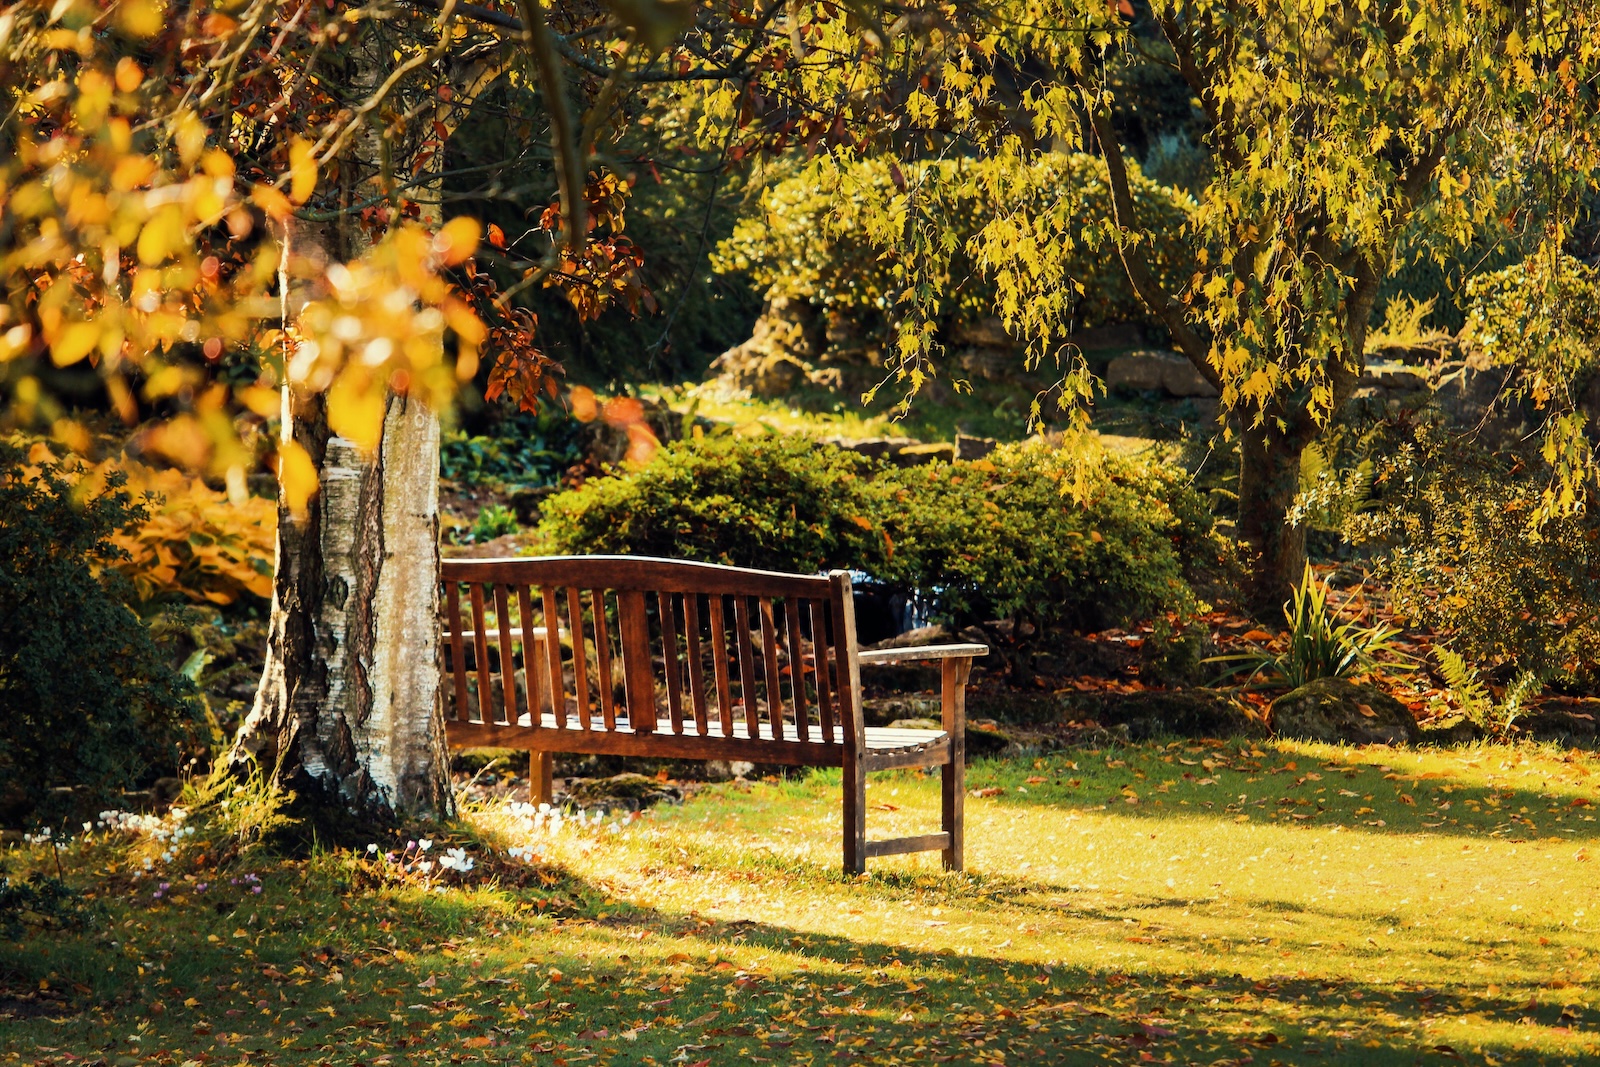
point(890, 748)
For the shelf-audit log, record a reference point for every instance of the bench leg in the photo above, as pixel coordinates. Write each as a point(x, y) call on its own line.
point(855, 814)
point(953, 775)
point(541, 769)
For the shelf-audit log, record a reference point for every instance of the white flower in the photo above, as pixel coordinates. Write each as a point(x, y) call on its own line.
point(372, 849)
point(456, 859)
point(424, 844)
point(425, 866)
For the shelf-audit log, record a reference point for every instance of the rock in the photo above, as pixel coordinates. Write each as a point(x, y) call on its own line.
point(871, 447)
point(1456, 731)
point(717, 770)
point(1137, 372)
point(974, 447)
point(922, 635)
point(1171, 713)
point(917, 455)
point(1394, 377)
point(630, 792)
point(1151, 371)
point(787, 335)
point(777, 375)
point(1334, 710)
point(991, 364)
point(881, 711)
point(1180, 378)
point(1565, 721)
point(988, 332)
point(1113, 336)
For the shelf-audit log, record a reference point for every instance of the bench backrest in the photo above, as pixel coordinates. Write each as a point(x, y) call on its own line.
point(653, 644)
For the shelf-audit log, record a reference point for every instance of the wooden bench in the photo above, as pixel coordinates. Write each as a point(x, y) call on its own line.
point(666, 658)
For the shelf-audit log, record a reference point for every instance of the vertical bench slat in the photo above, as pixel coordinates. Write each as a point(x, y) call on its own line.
point(769, 667)
point(508, 661)
point(669, 657)
point(552, 651)
point(717, 606)
point(747, 665)
point(637, 674)
point(842, 609)
point(580, 654)
point(480, 648)
point(820, 666)
point(797, 667)
point(697, 674)
point(458, 663)
point(530, 658)
point(602, 659)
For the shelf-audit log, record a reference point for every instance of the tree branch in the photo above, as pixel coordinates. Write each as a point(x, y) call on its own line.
point(1172, 311)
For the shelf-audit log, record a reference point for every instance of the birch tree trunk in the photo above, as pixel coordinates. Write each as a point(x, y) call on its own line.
point(347, 714)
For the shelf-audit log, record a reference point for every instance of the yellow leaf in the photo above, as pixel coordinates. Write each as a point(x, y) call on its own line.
point(140, 18)
point(456, 240)
point(162, 236)
point(302, 171)
point(74, 342)
point(261, 400)
point(272, 202)
point(297, 476)
point(355, 410)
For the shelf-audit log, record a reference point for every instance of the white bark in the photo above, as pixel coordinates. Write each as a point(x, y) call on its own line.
point(401, 742)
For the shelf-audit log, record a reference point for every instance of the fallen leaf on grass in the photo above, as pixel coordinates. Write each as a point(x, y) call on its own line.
point(989, 791)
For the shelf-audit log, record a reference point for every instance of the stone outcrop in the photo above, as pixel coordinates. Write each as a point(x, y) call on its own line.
point(1335, 710)
point(1157, 372)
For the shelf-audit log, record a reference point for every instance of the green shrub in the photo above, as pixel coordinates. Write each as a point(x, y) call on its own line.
point(812, 241)
point(86, 697)
point(1049, 535)
point(778, 503)
point(1543, 315)
point(1077, 538)
point(1465, 557)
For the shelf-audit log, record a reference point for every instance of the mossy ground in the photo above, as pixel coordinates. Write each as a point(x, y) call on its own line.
point(1183, 903)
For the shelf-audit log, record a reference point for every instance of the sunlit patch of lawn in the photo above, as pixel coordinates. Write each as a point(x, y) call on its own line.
point(1189, 903)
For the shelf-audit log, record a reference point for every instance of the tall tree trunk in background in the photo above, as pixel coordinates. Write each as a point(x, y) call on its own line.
point(1269, 479)
point(347, 714)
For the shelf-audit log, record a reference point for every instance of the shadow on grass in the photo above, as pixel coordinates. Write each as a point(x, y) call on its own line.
point(319, 970)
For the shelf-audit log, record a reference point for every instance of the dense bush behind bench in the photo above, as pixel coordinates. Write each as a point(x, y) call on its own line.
point(995, 538)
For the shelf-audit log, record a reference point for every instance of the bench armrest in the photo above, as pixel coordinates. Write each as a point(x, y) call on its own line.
point(919, 654)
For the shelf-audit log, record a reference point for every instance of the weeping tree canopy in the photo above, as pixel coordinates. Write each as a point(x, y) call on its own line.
point(1333, 135)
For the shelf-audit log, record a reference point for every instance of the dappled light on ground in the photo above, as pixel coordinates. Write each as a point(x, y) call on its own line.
point(1191, 903)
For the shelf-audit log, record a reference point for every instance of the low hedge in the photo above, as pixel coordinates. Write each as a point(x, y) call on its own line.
point(1076, 537)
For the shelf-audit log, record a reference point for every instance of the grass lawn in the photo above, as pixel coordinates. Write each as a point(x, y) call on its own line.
point(1187, 903)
